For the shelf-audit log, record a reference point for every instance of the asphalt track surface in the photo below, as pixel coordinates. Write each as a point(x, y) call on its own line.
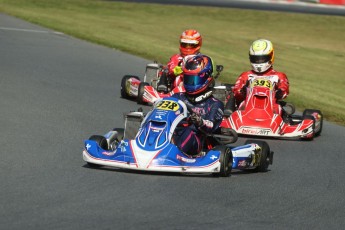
point(267, 5)
point(56, 91)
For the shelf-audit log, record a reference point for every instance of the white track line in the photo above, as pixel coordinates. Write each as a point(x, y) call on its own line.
point(32, 31)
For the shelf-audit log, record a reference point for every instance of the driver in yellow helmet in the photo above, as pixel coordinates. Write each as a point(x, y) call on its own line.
point(261, 56)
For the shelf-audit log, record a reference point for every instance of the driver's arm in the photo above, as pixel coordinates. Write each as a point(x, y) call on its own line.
point(283, 86)
point(212, 120)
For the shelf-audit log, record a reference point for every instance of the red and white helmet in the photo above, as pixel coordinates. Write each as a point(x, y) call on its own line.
point(261, 55)
point(190, 42)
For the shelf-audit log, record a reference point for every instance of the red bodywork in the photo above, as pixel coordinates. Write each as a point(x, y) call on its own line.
point(151, 94)
point(260, 115)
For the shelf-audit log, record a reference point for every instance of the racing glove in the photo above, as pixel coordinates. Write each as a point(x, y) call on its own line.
point(243, 91)
point(279, 94)
point(196, 119)
point(177, 70)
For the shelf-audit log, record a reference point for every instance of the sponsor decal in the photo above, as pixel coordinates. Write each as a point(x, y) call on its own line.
point(108, 153)
point(88, 146)
point(204, 96)
point(188, 160)
point(255, 131)
point(213, 157)
point(159, 117)
point(123, 146)
point(161, 113)
point(242, 163)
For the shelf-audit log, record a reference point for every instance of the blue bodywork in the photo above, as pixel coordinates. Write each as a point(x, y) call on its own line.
point(154, 140)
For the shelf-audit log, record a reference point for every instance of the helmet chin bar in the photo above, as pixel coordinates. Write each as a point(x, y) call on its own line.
point(260, 68)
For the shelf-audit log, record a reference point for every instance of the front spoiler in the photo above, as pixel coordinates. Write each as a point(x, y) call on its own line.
point(212, 168)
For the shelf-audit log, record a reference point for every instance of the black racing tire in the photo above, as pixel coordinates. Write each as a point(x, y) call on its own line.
point(264, 156)
point(225, 161)
point(309, 112)
point(124, 93)
point(100, 140)
point(141, 90)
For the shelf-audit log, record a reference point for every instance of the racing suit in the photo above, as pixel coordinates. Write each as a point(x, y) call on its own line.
point(189, 138)
point(282, 83)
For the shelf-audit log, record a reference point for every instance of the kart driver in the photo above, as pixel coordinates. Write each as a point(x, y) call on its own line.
point(190, 44)
point(207, 110)
point(261, 56)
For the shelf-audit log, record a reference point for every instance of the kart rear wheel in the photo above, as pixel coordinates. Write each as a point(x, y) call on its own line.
point(141, 90)
point(266, 157)
point(225, 161)
point(309, 112)
point(124, 93)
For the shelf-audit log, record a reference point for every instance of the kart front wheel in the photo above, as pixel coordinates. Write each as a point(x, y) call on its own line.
point(141, 91)
point(101, 142)
point(124, 88)
point(266, 157)
point(225, 161)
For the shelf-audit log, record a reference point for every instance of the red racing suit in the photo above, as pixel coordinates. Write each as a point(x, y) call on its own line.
point(174, 78)
point(282, 84)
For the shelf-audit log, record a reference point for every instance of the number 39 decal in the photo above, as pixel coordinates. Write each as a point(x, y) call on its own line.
point(168, 105)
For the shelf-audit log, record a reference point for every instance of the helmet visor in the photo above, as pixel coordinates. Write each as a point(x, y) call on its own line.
point(194, 80)
point(188, 45)
point(259, 59)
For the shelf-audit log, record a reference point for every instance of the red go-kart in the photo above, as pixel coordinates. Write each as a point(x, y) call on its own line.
point(260, 114)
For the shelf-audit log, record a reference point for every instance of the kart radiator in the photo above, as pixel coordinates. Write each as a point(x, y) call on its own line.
point(132, 124)
point(151, 73)
point(222, 92)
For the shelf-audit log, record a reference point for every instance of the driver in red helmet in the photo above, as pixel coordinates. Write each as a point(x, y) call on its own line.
point(207, 111)
point(190, 44)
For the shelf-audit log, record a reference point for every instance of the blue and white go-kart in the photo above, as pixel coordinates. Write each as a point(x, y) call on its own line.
point(146, 144)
